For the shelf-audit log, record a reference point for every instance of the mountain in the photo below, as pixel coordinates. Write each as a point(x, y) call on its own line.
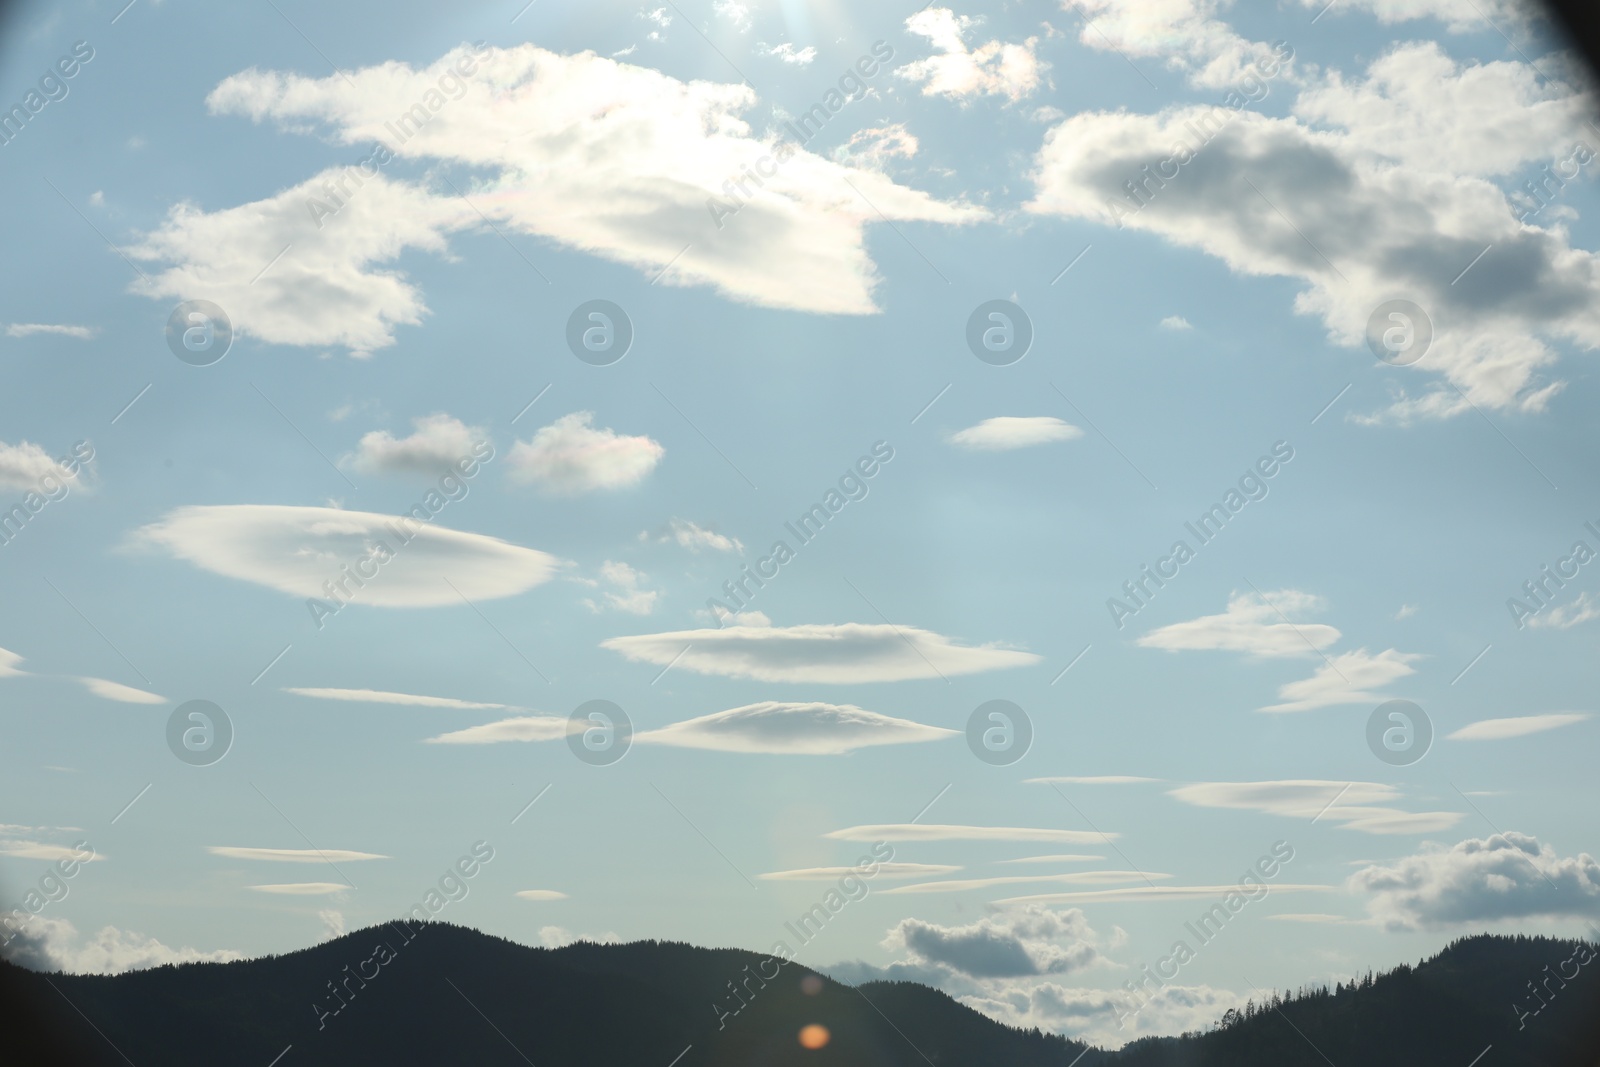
point(451, 995)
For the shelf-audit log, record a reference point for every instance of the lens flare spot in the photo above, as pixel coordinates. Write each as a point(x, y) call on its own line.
point(814, 1036)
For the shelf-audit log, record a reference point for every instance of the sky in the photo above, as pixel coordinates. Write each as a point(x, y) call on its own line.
point(983, 472)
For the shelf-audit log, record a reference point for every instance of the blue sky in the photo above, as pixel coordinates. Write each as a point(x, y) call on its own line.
point(1367, 153)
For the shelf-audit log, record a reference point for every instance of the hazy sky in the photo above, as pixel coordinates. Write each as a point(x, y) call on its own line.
point(1271, 286)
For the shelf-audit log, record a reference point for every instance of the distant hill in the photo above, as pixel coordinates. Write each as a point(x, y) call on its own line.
point(452, 995)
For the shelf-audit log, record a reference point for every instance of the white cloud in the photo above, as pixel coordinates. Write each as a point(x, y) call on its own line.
point(24, 464)
point(293, 855)
point(613, 160)
point(8, 664)
point(324, 290)
point(1015, 942)
point(523, 728)
point(1423, 109)
point(439, 441)
point(123, 694)
point(560, 937)
point(1187, 35)
point(817, 653)
point(1176, 322)
point(1506, 876)
point(570, 456)
point(1093, 779)
point(28, 329)
point(299, 550)
point(1516, 726)
point(1147, 893)
point(810, 729)
point(333, 924)
point(1357, 228)
point(540, 894)
point(992, 69)
point(1358, 806)
point(40, 850)
point(962, 885)
point(694, 537)
point(54, 945)
point(379, 696)
point(1007, 432)
point(1256, 625)
point(736, 13)
point(1102, 1018)
point(1059, 858)
point(949, 832)
point(796, 57)
point(301, 889)
point(1565, 616)
point(626, 595)
point(1347, 678)
point(887, 871)
point(1459, 16)
point(1406, 611)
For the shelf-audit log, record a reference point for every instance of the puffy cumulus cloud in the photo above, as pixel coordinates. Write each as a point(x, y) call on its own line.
point(29, 329)
point(1421, 108)
point(24, 464)
point(824, 653)
point(1176, 322)
point(1027, 940)
point(992, 69)
point(1007, 432)
point(599, 156)
point(1506, 876)
point(1186, 35)
point(520, 728)
point(54, 945)
point(437, 444)
point(1347, 678)
point(293, 855)
point(1256, 625)
point(694, 537)
point(1362, 806)
point(625, 593)
point(560, 937)
point(737, 14)
point(891, 870)
point(1102, 1018)
point(286, 279)
point(570, 456)
point(1459, 16)
point(1276, 197)
point(122, 694)
point(380, 696)
point(912, 831)
point(299, 550)
point(1516, 726)
point(810, 729)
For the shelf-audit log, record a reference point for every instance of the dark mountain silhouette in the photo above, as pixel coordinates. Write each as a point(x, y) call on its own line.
point(451, 995)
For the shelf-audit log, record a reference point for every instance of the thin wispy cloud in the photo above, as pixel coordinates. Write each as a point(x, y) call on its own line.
point(1516, 726)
